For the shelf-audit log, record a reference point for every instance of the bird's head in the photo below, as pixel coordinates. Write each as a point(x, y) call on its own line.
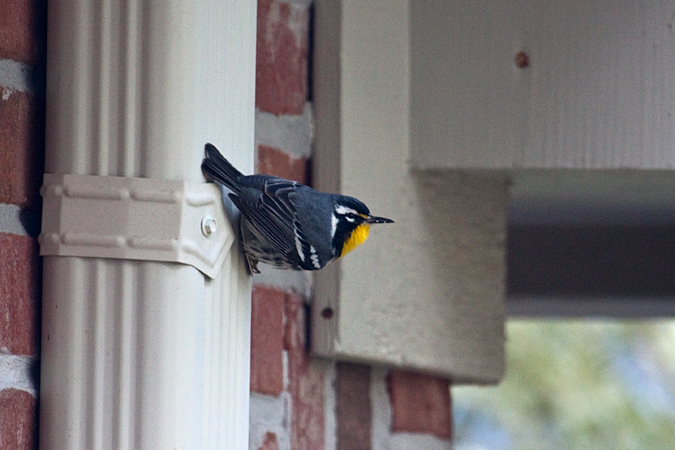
point(351, 223)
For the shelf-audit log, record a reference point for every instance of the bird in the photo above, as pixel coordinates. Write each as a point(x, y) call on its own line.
point(289, 225)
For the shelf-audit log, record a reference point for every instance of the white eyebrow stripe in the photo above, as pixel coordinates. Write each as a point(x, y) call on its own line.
point(341, 209)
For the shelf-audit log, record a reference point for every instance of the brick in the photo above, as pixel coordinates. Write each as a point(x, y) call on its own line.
point(270, 442)
point(21, 147)
point(19, 294)
point(282, 57)
point(273, 161)
point(267, 339)
point(420, 404)
point(354, 414)
point(305, 382)
point(22, 30)
point(18, 420)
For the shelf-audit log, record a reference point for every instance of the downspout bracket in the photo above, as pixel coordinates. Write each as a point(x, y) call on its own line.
point(135, 218)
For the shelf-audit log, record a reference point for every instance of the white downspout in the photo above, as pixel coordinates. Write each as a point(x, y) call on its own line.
point(143, 354)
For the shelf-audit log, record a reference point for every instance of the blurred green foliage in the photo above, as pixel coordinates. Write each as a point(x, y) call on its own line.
point(576, 384)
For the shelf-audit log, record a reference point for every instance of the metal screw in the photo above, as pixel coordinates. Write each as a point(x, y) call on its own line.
point(208, 225)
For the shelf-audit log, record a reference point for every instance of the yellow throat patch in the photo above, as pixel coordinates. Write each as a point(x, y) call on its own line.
point(358, 237)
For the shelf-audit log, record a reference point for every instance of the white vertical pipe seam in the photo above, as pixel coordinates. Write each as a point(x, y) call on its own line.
point(136, 354)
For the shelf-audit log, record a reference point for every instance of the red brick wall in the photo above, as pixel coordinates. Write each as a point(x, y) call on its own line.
point(420, 404)
point(281, 57)
point(22, 31)
point(281, 369)
point(21, 166)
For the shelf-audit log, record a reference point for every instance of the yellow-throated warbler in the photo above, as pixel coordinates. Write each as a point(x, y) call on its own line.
point(287, 224)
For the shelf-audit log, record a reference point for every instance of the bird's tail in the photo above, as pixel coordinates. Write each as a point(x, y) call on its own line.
point(219, 169)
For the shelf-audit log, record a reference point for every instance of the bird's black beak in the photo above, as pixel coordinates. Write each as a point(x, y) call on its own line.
point(373, 219)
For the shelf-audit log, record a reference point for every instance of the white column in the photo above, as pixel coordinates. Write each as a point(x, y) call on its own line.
point(139, 354)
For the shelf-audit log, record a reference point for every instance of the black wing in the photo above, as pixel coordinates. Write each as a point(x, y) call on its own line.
point(271, 211)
